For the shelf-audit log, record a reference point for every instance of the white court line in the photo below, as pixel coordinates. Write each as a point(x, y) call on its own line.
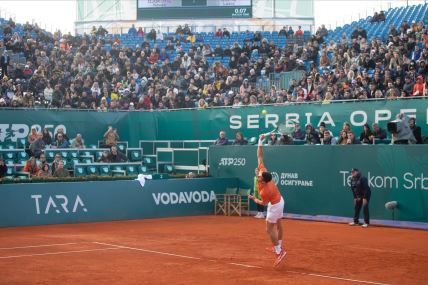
point(345, 279)
point(147, 250)
point(243, 265)
point(42, 245)
point(59, 252)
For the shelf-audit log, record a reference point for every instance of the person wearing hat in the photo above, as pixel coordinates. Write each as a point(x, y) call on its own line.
point(361, 192)
point(271, 197)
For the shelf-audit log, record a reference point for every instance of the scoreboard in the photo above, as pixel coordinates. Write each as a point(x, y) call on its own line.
point(193, 9)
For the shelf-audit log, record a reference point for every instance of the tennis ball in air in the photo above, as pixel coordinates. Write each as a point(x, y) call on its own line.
point(264, 112)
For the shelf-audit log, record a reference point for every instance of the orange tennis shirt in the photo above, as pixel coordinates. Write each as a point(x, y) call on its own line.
point(268, 191)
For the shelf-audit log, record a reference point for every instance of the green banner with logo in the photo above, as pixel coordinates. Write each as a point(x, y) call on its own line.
point(206, 124)
point(315, 180)
point(74, 202)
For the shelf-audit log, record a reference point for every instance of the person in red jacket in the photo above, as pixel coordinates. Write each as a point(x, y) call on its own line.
point(419, 87)
point(31, 166)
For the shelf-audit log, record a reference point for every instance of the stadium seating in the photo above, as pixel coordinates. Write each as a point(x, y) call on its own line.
point(394, 16)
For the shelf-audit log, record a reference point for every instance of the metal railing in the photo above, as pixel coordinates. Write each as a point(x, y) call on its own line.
point(122, 27)
point(197, 165)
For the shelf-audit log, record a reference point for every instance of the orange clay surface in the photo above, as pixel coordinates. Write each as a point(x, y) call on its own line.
point(210, 250)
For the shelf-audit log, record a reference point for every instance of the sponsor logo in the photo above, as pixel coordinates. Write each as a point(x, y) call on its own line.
point(58, 204)
point(235, 161)
point(275, 177)
point(408, 181)
point(356, 118)
point(172, 198)
point(14, 132)
point(291, 179)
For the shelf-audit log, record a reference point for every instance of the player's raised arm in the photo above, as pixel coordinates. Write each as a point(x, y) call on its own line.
point(260, 150)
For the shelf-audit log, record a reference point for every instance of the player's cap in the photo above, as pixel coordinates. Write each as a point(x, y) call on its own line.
point(355, 170)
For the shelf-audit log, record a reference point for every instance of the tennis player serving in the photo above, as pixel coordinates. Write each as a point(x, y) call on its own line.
point(272, 197)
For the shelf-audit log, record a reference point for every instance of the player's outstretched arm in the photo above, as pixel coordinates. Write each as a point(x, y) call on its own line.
point(260, 150)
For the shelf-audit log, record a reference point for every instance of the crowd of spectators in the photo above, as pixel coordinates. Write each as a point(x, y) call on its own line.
point(65, 71)
point(323, 136)
point(38, 143)
point(378, 17)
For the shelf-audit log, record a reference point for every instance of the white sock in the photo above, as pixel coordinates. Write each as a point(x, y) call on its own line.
point(277, 249)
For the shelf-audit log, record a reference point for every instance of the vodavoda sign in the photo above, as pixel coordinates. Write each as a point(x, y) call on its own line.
point(73, 202)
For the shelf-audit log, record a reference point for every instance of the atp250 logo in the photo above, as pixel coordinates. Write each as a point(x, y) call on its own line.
point(14, 132)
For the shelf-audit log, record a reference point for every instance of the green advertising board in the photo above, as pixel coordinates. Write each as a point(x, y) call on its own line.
point(315, 180)
point(75, 202)
point(206, 124)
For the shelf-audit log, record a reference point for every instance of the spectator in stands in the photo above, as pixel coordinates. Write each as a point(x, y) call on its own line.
point(31, 166)
point(140, 32)
point(359, 33)
point(378, 132)
point(60, 171)
point(311, 137)
point(116, 156)
point(290, 32)
point(60, 131)
point(283, 32)
point(351, 138)
point(47, 139)
point(366, 136)
point(218, 33)
point(222, 140)
point(272, 140)
point(152, 35)
point(32, 137)
point(5, 61)
point(132, 31)
point(191, 38)
point(60, 142)
point(3, 168)
point(78, 142)
point(419, 87)
point(104, 157)
point(375, 18)
point(37, 147)
point(285, 139)
point(101, 31)
point(321, 131)
point(110, 137)
point(41, 160)
point(186, 29)
point(343, 138)
point(299, 32)
point(417, 133)
point(239, 139)
point(381, 17)
point(44, 171)
point(298, 133)
point(328, 138)
point(226, 33)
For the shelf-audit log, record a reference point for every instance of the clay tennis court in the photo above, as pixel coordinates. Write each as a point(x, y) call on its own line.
point(210, 250)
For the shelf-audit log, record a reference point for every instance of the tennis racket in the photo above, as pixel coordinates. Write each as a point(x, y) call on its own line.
point(286, 128)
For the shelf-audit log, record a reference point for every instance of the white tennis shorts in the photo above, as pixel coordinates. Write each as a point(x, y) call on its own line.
point(275, 212)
